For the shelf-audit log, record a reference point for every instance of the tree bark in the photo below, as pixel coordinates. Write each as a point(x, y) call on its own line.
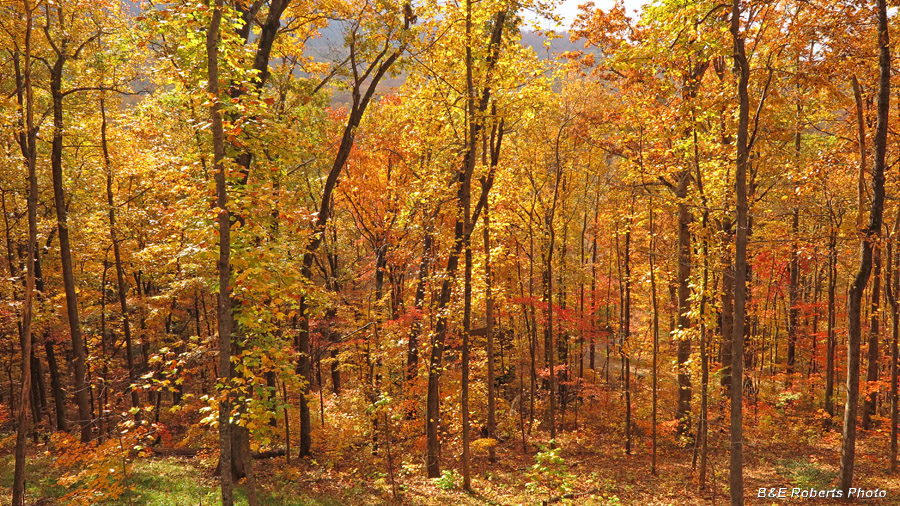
point(870, 235)
point(29, 150)
point(59, 200)
point(831, 346)
point(461, 232)
point(412, 354)
point(362, 91)
point(683, 352)
point(891, 289)
point(225, 317)
point(793, 293)
point(872, 353)
point(120, 270)
point(736, 460)
point(626, 330)
point(654, 305)
point(489, 331)
point(727, 321)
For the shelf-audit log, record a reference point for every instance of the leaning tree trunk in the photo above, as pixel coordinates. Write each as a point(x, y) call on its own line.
point(870, 235)
point(79, 362)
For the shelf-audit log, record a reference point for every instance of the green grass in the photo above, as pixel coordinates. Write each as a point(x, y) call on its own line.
point(805, 474)
point(167, 482)
point(164, 482)
point(39, 484)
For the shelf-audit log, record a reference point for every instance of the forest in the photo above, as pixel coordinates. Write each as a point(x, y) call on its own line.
point(448, 252)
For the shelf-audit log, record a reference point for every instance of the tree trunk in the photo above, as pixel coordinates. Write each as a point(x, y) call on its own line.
point(832, 338)
point(361, 93)
point(462, 231)
point(412, 355)
point(592, 351)
point(120, 270)
point(547, 278)
point(891, 289)
point(59, 399)
point(870, 236)
point(794, 293)
point(704, 362)
point(29, 150)
point(683, 409)
point(303, 369)
point(872, 353)
point(736, 461)
point(464, 382)
point(727, 322)
point(626, 330)
point(489, 332)
point(225, 317)
point(655, 372)
point(59, 200)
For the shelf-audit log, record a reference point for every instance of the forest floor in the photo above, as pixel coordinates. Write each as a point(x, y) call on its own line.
point(783, 451)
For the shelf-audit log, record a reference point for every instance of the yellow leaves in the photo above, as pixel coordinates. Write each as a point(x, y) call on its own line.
point(483, 444)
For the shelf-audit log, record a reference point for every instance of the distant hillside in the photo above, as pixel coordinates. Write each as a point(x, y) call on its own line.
point(329, 47)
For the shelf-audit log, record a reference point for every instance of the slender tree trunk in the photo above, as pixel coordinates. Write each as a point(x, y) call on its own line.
point(82, 387)
point(120, 270)
point(465, 210)
point(432, 408)
point(361, 95)
point(736, 462)
point(817, 292)
point(870, 235)
point(533, 337)
point(28, 146)
point(412, 355)
point(704, 363)
point(562, 339)
point(626, 330)
point(872, 353)
point(464, 387)
point(683, 409)
point(727, 317)
point(655, 372)
point(59, 399)
point(489, 331)
point(592, 352)
point(462, 232)
point(832, 338)
point(548, 328)
point(225, 317)
point(892, 288)
point(303, 369)
point(794, 293)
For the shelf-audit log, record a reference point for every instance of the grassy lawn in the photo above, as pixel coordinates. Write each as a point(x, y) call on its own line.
point(155, 482)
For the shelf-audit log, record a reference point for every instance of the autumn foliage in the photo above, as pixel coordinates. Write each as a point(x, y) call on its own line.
point(379, 251)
